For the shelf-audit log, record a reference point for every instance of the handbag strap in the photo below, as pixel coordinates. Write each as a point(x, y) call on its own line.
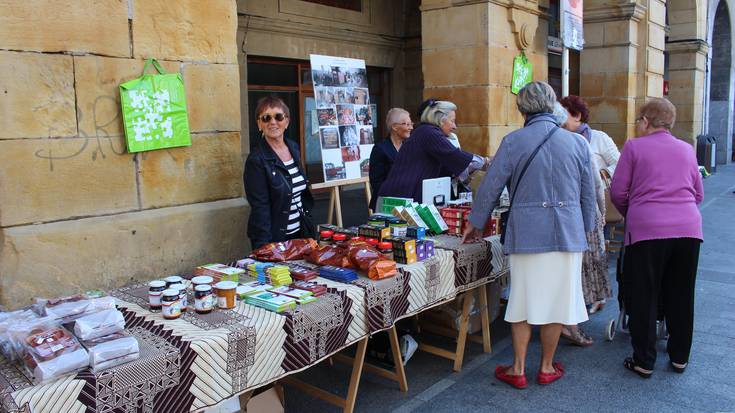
point(155, 64)
point(528, 162)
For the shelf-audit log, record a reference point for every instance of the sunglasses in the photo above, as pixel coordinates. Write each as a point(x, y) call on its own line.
point(278, 117)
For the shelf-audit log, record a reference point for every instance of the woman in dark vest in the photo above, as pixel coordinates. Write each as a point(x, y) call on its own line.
point(384, 153)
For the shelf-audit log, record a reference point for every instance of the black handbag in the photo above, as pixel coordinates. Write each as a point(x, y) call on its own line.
point(506, 215)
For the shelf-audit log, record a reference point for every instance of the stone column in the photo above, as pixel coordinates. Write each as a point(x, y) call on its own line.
point(467, 56)
point(622, 63)
point(687, 64)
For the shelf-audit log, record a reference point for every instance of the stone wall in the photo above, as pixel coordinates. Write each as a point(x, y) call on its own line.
point(76, 210)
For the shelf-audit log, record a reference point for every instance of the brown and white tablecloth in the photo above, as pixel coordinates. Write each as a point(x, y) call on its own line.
point(199, 360)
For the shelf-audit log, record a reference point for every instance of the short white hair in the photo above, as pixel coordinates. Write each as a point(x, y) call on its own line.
point(393, 116)
point(560, 113)
point(536, 97)
point(437, 112)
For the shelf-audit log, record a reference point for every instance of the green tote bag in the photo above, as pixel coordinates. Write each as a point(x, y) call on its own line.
point(154, 110)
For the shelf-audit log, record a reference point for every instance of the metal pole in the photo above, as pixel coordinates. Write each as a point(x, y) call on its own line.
point(564, 71)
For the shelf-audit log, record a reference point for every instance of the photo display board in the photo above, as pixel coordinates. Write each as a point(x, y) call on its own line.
point(345, 116)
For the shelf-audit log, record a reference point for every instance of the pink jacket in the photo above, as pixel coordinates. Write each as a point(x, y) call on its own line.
point(657, 187)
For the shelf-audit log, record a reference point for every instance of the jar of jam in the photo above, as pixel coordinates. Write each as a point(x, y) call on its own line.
point(174, 279)
point(357, 238)
point(181, 288)
point(325, 237)
point(386, 248)
point(201, 280)
point(373, 242)
point(155, 291)
point(226, 292)
point(339, 238)
point(171, 304)
point(203, 299)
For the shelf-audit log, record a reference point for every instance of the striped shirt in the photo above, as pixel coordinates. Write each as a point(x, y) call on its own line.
point(298, 185)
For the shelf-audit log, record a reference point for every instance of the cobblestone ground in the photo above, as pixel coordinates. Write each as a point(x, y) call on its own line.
point(596, 379)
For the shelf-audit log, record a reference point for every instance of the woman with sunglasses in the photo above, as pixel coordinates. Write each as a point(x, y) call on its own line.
point(384, 153)
point(275, 183)
point(428, 154)
point(657, 186)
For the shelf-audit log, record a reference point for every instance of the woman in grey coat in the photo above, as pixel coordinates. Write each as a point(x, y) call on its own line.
point(551, 210)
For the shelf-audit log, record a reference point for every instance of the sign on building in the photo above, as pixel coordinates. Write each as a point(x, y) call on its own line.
point(572, 24)
point(344, 115)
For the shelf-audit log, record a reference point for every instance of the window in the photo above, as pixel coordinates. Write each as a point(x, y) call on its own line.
point(355, 5)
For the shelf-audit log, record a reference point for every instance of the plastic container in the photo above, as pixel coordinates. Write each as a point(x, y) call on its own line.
point(155, 291)
point(226, 292)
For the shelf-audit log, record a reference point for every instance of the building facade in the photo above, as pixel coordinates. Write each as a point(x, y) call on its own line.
point(78, 212)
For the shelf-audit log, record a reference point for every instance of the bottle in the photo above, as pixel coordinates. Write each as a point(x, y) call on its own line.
point(181, 288)
point(203, 299)
point(171, 304)
point(155, 292)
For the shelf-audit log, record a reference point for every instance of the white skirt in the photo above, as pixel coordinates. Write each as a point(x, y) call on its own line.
point(546, 288)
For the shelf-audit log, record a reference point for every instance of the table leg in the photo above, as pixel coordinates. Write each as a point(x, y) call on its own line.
point(330, 210)
point(398, 359)
point(356, 373)
point(462, 337)
point(338, 206)
point(485, 319)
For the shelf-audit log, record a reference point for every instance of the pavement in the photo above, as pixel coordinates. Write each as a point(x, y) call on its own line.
point(596, 379)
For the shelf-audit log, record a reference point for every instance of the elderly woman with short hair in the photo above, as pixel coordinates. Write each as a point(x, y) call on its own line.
point(657, 186)
point(428, 154)
point(548, 172)
point(398, 122)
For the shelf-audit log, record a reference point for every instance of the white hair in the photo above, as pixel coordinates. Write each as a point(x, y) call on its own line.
point(393, 116)
point(560, 113)
point(437, 112)
point(536, 97)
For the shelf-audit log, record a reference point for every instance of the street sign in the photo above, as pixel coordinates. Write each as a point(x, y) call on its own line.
point(572, 24)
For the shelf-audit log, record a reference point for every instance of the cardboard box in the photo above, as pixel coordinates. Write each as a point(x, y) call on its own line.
point(220, 272)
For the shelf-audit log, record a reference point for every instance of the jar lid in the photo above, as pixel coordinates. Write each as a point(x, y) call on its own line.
point(178, 286)
point(173, 279)
point(385, 245)
point(357, 238)
point(202, 279)
point(326, 233)
point(157, 284)
point(203, 287)
point(372, 241)
point(171, 292)
point(339, 237)
point(226, 285)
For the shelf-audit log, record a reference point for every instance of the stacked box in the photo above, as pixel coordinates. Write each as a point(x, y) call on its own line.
point(412, 217)
point(316, 289)
point(220, 272)
point(379, 220)
point(349, 232)
point(327, 227)
point(372, 231)
point(404, 250)
point(435, 222)
point(420, 250)
point(278, 275)
point(271, 301)
point(415, 232)
point(429, 245)
point(253, 287)
point(389, 202)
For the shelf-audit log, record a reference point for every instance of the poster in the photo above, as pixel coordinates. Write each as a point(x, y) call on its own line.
point(572, 25)
point(345, 116)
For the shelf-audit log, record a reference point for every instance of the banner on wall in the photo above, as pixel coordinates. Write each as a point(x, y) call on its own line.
point(345, 116)
point(572, 24)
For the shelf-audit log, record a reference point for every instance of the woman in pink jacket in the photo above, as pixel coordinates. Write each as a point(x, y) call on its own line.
point(657, 186)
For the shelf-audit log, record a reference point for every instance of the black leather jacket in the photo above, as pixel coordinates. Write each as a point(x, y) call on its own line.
point(268, 190)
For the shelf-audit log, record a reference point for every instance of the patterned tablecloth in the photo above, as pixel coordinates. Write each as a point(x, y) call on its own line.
point(199, 360)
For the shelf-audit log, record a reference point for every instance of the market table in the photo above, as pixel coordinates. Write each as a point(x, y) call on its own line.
point(199, 360)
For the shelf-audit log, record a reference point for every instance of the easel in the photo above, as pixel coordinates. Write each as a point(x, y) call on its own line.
point(462, 336)
point(335, 204)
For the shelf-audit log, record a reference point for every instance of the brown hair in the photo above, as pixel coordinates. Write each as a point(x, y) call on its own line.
point(576, 106)
point(659, 112)
point(271, 101)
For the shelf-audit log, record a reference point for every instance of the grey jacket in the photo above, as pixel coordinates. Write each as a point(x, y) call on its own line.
point(555, 203)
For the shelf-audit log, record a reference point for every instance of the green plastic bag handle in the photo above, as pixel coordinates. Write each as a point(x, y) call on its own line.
point(155, 64)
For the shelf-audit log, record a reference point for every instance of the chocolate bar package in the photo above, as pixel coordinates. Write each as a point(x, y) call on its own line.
point(337, 274)
point(315, 288)
point(301, 273)
point(404, 250)
point(415, 232)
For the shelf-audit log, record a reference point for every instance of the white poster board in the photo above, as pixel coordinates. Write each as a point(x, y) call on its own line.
point(572, 24)
point(345, 116)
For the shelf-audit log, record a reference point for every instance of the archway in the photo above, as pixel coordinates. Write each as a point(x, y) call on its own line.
point(720, 96)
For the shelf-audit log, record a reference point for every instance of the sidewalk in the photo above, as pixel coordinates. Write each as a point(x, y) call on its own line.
point(596, 379)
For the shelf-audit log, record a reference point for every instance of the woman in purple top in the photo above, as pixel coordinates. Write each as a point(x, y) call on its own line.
point(428, 154)
point(657, 186)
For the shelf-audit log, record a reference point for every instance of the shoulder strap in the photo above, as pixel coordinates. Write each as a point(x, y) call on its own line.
point(528, 162)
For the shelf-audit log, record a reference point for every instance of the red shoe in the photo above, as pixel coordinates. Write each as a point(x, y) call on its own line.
point(517, 381)
point(547, 378)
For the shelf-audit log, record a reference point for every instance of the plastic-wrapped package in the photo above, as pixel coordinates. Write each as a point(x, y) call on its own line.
point(99, 324)
point(330, 255)
point(367, 258)
point(52, 351)
point(71, 308)
point(110, 347)
point(14, 326)
point(114, 362)
point(294, 249)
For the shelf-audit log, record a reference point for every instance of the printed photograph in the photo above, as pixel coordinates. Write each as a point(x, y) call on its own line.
point(343, 95)
point(327, 117)
point(366, 135)
point(345, 115)
point(360, 96)
point(365, 167)
point(324, 97)
point(350, 153)
point(364, 114)
point(334, 167)
point(348, 136)
point(329, 138)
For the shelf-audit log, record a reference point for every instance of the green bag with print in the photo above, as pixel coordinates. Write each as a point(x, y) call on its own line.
point(154, 110)
point(522, 73)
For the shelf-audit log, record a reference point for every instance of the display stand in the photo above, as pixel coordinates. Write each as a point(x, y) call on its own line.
point(462, 336)
point(335, 206)
point(358, 363)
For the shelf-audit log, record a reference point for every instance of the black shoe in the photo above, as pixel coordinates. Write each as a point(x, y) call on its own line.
point(678, 367)
point(631, 365)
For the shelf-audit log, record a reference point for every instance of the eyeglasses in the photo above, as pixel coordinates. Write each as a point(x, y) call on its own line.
point(278, 117)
